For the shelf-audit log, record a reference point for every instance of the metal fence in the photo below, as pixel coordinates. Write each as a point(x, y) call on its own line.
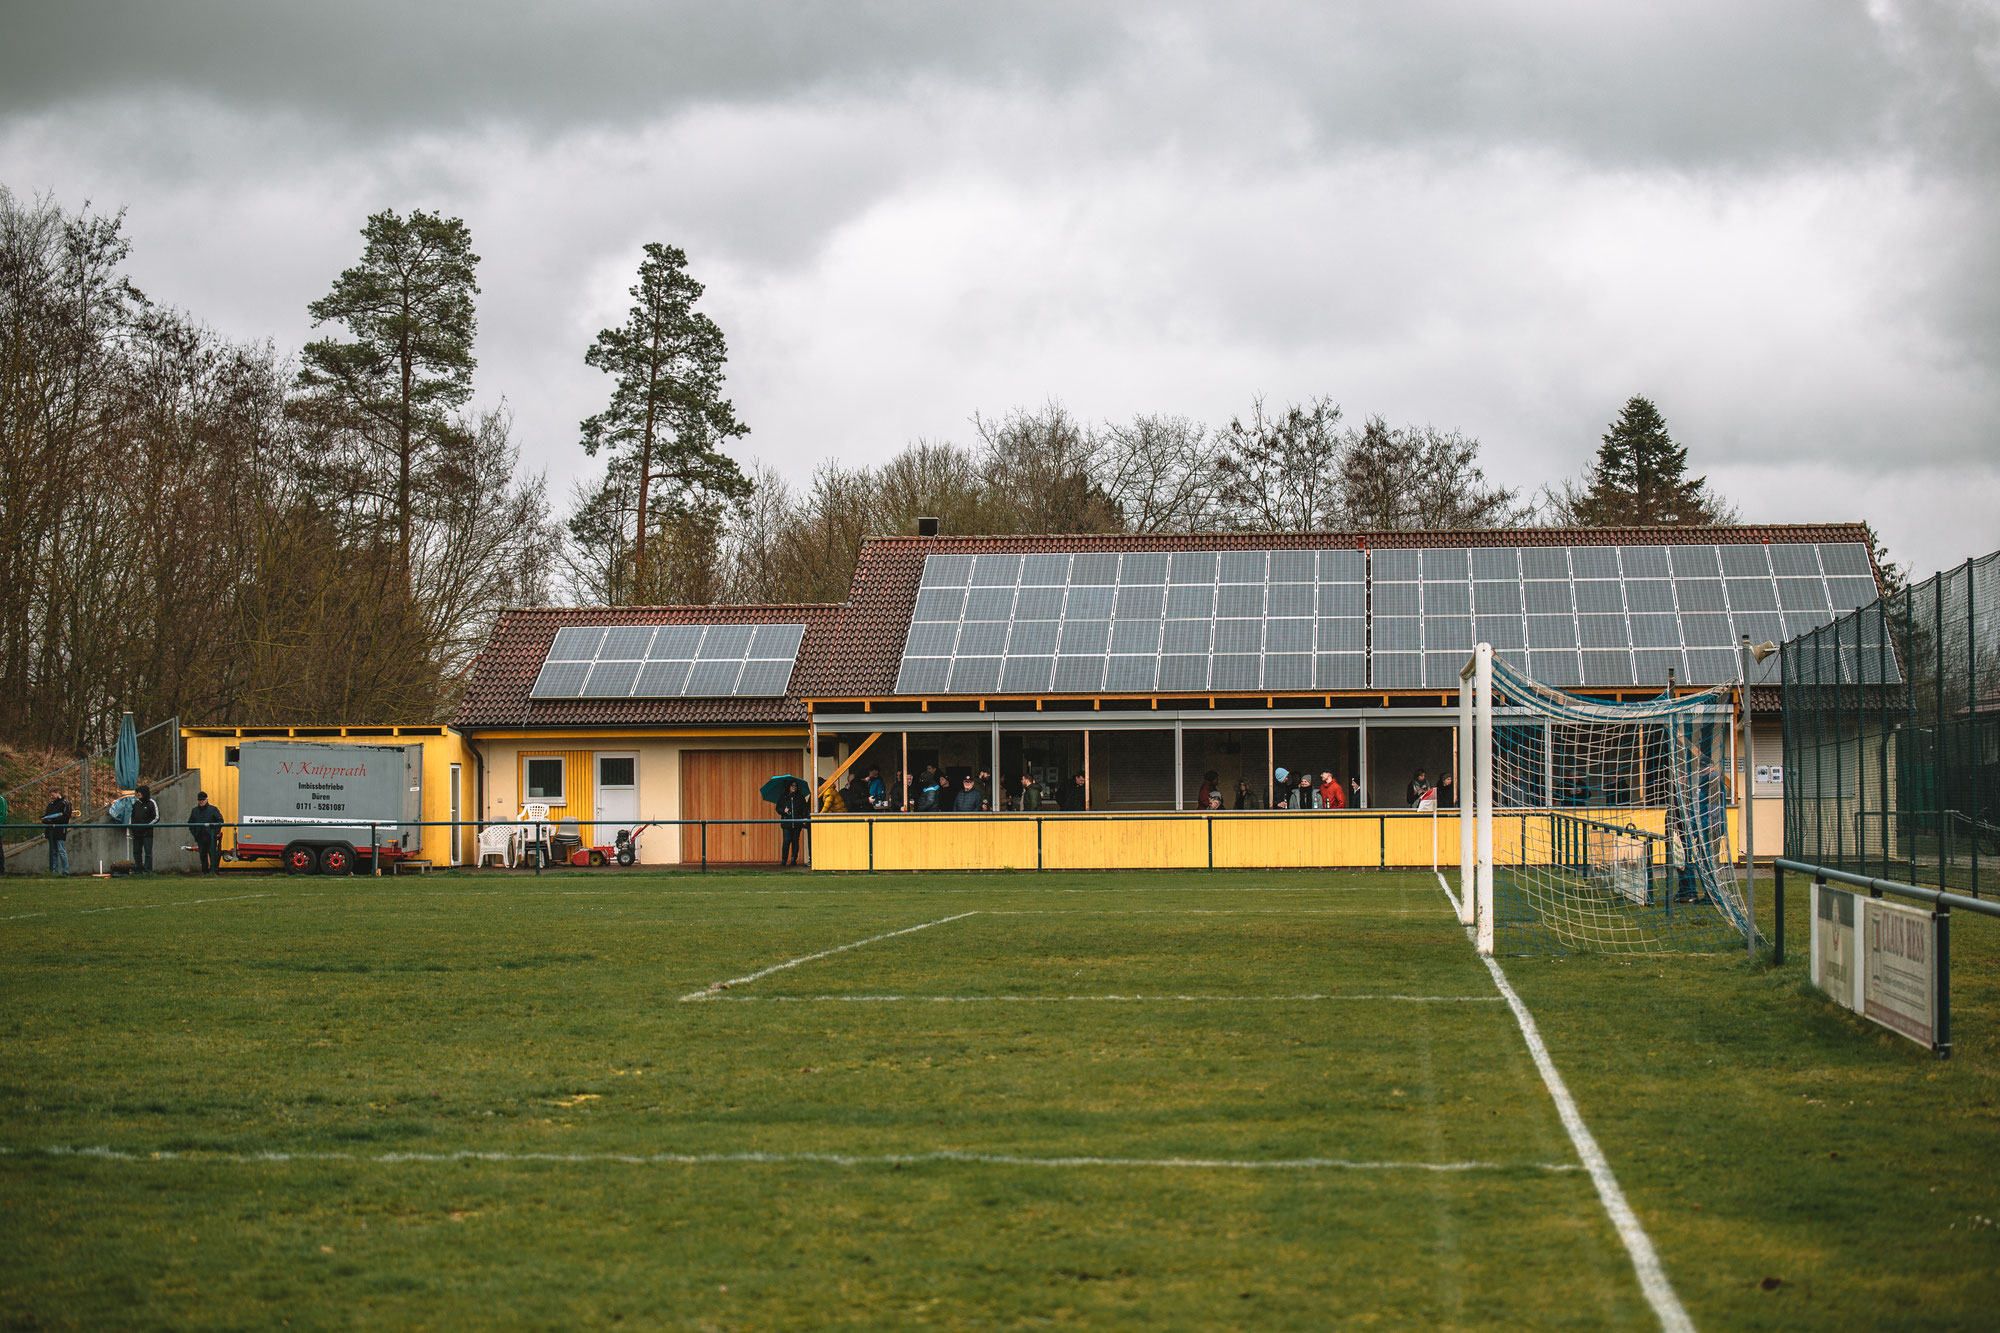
point(1892, 735)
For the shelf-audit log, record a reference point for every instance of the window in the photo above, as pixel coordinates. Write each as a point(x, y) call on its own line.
point(617, 771)
point(543, 779)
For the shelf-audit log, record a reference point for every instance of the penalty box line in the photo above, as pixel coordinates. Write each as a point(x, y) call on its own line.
point(1659, 1291)
point(790, 1158)
point(714, 986)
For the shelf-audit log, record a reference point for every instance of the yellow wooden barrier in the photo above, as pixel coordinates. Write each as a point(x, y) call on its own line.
point(1272, 840)
point(1104, 842)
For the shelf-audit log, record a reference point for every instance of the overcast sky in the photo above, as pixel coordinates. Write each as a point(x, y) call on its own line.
point(1780, 221)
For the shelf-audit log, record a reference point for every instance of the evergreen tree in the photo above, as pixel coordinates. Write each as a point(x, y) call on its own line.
point(1639, 480)
point(408, 305)
point(667, 414)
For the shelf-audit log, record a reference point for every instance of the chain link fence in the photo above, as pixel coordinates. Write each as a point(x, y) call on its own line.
point(1892, 735)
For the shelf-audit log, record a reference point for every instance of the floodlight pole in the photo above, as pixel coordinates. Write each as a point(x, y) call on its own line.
point(1749, 805)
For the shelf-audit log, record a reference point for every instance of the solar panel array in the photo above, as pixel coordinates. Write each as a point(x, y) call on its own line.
point(669, 661)
point(1196, 621)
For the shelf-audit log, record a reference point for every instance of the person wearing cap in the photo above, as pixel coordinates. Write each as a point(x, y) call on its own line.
point(1281, 789)
point(968, 799)
point(205, 823)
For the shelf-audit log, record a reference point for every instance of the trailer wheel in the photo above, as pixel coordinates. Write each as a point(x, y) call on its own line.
point(336, 860)
point(596, 857)
point(301, 860)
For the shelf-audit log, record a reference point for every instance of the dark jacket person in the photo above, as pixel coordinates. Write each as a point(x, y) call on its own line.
point(55, 822)
point(207, 832)
point(145, 813)
point(968, 799)
point(793, 812)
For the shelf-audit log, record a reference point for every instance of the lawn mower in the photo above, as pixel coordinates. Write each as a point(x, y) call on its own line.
point(624, 849)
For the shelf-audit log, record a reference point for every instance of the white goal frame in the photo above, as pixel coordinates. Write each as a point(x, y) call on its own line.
point(1475, 781)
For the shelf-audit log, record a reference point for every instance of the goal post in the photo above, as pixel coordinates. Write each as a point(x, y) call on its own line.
point(1611, 820)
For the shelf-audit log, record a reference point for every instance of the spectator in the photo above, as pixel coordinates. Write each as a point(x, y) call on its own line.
point(1304, 795)
point(205, 826)
point(1031, 793)
point(1331, 797)
point(878, 795)
point(1418, 786)
point(855, 794)
point(1207, 791)
point(56, 820)
point(1281, 789)
point(1245, 798)
point(1074, 796)
point(1447, 793)
point(930, 784)
point(793, 812)
point(968, 799)
point(142, 815)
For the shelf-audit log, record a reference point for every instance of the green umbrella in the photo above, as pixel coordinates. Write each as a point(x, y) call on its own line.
point(774, 790)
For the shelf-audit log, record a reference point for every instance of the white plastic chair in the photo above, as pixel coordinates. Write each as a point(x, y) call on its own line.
point(501, 840)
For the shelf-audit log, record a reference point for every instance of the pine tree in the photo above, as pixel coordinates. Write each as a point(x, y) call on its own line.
point(667, 413)
point(1639, 480)
point(408, 305)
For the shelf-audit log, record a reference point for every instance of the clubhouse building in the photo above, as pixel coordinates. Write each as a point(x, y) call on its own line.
point(1139, 663)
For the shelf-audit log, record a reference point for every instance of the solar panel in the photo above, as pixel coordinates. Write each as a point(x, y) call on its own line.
point(696, 661)
point(1190, 621)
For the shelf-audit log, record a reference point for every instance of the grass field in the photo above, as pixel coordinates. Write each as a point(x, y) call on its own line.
point(1261, 1100)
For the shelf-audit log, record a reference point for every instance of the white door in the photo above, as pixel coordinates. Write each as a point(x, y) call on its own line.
point(457, 833)
point(617, 798)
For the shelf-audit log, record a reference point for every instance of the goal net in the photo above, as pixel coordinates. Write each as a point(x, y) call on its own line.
point(1598, 827)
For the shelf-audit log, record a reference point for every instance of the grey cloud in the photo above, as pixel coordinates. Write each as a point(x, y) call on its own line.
point(1715, 81)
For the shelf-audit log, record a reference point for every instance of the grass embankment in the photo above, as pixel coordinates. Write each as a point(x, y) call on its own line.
point(365, 1020)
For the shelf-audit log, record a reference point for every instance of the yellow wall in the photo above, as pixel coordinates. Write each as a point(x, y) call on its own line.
point(443, 747)
point(659, 778)
point(1272, 840)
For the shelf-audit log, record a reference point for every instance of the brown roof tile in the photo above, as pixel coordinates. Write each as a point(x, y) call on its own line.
point(854, 650)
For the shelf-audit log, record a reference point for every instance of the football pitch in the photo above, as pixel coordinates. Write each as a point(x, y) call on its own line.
point(758, 1101)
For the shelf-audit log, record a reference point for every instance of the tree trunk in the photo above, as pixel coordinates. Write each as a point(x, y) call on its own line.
point(403, 462)
point(646, 468)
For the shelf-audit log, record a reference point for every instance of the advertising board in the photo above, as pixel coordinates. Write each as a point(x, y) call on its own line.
point(297, 790)
point(1877, 958)
point(1833, 945)
point(1899, 969)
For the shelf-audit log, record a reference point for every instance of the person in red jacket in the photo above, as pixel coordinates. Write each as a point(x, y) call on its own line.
point(1330, 793)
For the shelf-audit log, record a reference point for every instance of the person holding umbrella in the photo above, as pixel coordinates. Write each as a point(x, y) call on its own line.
point(794, 811)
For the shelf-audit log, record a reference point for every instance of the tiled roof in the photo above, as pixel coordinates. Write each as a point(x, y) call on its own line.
point(505, 671)
point(854, 650)
point(890, 569)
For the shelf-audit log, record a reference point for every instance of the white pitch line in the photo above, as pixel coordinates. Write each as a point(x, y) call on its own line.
point(824, 953)
point(807, 1158)
point(184, 902)
point(1673, 1316)
point(1057, 999)
point(23, 916)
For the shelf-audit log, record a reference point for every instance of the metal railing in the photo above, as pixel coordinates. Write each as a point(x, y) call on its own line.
point(87, 783)
point(1943, 900)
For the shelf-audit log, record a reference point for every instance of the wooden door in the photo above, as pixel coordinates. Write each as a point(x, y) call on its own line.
point(723, 784)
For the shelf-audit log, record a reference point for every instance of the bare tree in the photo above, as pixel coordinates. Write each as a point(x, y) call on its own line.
point(1161, 474)
point(1042, 470)
point(1281, 472)
point(1421, 478)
